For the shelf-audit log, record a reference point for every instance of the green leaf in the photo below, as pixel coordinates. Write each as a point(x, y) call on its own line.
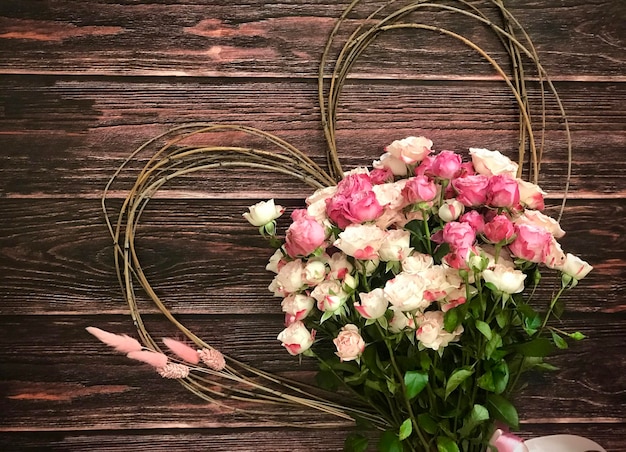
point(493, 344)
point(503, 410)
point(500, 377)
point(559, 341)
point(483, 327)
point(445, 444)
point(389, 442)
point(327, 315)
point(405, 429)
point(539, 347)
point(427, 423)
point(577, 336)
point(502, 318)
point(377, 385)
point(477, 416)
point(355, 443)
point(451, 320)
point(485, 381)
point(415, 382)
point(457, 377)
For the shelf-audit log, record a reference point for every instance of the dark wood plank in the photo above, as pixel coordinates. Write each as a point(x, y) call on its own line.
point(90, 125)
point(258, 38)
point(57, 255)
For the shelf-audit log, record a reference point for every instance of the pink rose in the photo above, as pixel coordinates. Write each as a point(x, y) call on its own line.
point(541, 220)
point(296, 338)
point(304, 235)
point(459, 235)
point(471, 190)
point(503, 191)
point(532, 243)
point(458, 258)
point(499, 230)
point(446, 165)
point(399, 320)
point(419, 189)
point(372, 304)
point(354, 201)
point(474, 219)
point(381, 176)
point(411, 149)
point(350, 345)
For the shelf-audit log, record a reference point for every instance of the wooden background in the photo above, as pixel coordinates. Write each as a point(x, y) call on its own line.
point(84, 82)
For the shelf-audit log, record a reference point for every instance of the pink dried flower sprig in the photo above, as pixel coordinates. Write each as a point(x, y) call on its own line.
point(164, 367)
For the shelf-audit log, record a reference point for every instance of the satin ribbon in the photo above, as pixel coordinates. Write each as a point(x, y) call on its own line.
point(507, 442)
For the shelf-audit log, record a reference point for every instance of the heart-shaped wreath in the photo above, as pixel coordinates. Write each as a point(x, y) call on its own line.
point(414, 277)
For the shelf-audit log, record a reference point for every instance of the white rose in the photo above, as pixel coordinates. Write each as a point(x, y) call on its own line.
point(505, 279)
point(263, 212)
point(289, 279)
point(296, 338)
point(339, 265)
point(411, 149)
point(416, 263)
point(297, 307)
point(274, 261)
point(437, 283)
point(390, 195)
point(350, 345)
point(329, 295)
point(399, 321)
point(450, 210)
point(431, 332)
point(492, 163)
point(396, 165)
point(395, 246)
point(373, 304)
point(361, 241)
point(314, 272)
point(321, 195)
point(541, 220)
point(575, 267)
point(406, 292)
point(531, 195)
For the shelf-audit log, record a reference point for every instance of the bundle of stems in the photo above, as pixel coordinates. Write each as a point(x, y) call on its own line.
point(176, 158)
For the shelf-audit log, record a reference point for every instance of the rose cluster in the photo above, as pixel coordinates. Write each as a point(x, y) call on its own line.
point(407, 241)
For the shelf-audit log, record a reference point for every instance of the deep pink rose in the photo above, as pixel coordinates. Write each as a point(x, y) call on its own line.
point(381, 176)
point(418, 189)
point(446, 165)
point(457, 258)
point(425, 166)
point(354, 183)
point(499, 229)
point(459, 235)
point(471, 190)
point(358, 208)
point(532, 243)
point(304, 235)
point(503, 191)
point(474, 219)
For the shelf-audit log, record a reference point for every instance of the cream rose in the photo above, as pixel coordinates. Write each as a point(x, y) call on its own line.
point(296, 338)
point(431, 333)
point(361, 241)
point(350, 345)
point(536, 218)
point(396, 165)
point(290, 279)
point(314, 272)
point(411, 149)
point(450, 210)
point(492, 163)
point(575, 267)
point(329, 295)
point(263, 212)
point(406, 292)
point(416, 263)
point(505, 279)
point(396, 245)
point(372, 304)
point(297, 307)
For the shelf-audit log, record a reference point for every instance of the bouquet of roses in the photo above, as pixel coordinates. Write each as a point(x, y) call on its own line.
point(413, 285)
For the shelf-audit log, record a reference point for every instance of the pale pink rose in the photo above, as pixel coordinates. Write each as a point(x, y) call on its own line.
point(419, 189)
point(411, 149)
point(393, 164)
point(314, 272)
point(416, 263)
point(536, 218)
point(453, 298)
point(297, 307)
point(532, 243)
point(531, 195)
point(263, 212)
point(381, 176)
point(446, 165)
point(276, 261)
point(350, 345)
point(424, 168)
point(329, 295)
point(339, 265)
point(555, 257)
point(492, 163)
point(450, 210)
point(505, 279)
point(406, 292)
point(503, 191)
point(575, 267)
point(372, 304)
point(296, 338)
point(437, 285)
point(361, 241)
point(321, 194)
point(400, 321)
point(391, 217)
point(357, 207)
point(290, 279)
point(304, 235)
point(471, 190)
point(317, 211)
point(459, 235)
point(474, 219)
point(431, 333)
point(499, 230)
point(390, 195)
point(395, 246)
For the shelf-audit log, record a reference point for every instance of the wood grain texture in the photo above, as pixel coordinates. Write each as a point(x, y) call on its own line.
point(83, 83)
